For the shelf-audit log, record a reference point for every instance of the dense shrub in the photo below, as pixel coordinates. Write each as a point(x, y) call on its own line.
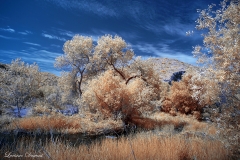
point(191, 94)
point(112, 96)
point(19, 84)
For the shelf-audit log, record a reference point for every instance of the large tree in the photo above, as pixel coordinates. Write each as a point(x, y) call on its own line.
point(19, 83)
point(113, 52)
point(83, 59)
point(221, 45)
point(76, 58)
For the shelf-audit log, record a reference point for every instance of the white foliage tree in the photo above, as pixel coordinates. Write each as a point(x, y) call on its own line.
point(83, 59)
point(19, 83)
point(112, 52)
point(221, 45)
point(77, 56)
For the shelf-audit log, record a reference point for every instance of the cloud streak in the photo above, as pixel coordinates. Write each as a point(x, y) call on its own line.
point(163, 50)
point(33, 44)
point(150, 16)
point(71, 34)
point(66, 33)
point(49, 36)
point(54, 45)
point(7, 30)
point(9, 38)
point(89, 6)
point(177, 28)
point(25, 32)
point(45, 59)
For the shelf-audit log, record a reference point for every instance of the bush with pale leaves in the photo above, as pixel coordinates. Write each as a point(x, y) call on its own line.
point(222, 43)
point(19, 84)
point(190, 95)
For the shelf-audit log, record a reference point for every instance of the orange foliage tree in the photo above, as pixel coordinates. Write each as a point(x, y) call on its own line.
point(112, 96)
point(190, 95)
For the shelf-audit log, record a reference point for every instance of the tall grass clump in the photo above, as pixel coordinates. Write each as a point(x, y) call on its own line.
point(141, 146)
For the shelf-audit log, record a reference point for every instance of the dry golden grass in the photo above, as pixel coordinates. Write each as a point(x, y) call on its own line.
point(162, 144)
point(65, 124)
point(190, 124)
point(141, 147)
point(41, 108)
point(47, 123)
point(91, 124)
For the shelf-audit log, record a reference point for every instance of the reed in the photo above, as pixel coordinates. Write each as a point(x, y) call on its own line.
point(141, 146)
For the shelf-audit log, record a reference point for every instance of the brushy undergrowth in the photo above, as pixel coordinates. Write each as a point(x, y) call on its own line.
point(63, 124)
point(141, 146)
point(92, 123)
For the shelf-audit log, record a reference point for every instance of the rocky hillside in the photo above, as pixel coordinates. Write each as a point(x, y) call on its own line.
point(166, 67)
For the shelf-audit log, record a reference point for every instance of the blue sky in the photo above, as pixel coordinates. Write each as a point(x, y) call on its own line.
point(35, 30)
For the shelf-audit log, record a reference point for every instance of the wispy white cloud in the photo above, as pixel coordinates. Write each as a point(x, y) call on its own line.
point(54, 45)
point(33, 44)
point(97, 33)
point(71, 34)
point(45, 59)
point(177, 28)
point(163, 50)
point(129, 35)
point(9, 38)
point(89, 6)
point(66, 33)
point(7, 30)
point(134, 9)
point(53, 37)
point(43, 56)
point(152, 16)
point(173, 28)
point(26, 32)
